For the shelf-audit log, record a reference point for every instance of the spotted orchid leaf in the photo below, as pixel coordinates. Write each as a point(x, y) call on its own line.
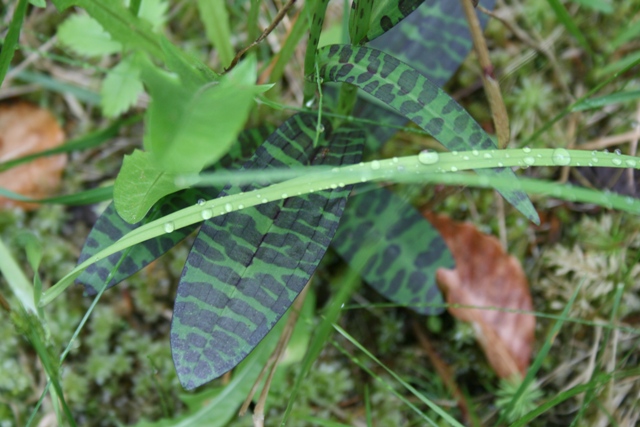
point(408, 92)
point(110, 226)
point(385, 15)
point(246, 267)
point(399, 249)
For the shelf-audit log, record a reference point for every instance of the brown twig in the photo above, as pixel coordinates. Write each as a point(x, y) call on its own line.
point(281, 14)
point(491, 86)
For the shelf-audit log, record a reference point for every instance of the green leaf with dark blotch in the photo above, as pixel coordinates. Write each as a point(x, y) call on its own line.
point(110, 226)
point(319, 8)
point(434, 39)
point(399, 249)
point(387, 14)
point(360, 18)
point(404, 89)
point(246, 268)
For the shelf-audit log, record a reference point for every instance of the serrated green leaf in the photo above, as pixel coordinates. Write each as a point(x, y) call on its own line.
point(246, 268)
point(121, 87)
point(189, 128)
point(110, 226)
point(154, 12)
point(85, 36)
point(139, 185)
point(399, 249)
point(404, 89)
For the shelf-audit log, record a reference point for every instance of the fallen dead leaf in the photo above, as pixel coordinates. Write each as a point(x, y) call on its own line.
point(27, 129)
point(486, 276)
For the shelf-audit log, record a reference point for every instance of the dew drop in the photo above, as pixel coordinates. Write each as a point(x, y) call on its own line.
point(265, 200)
point(228, 207)
point(201, 202)
point(594, 153)
point(487, 156)
point(616, 161)
point(375, 165)
point(395, 160)
point(630, 163)
point(258, 195)
point(427, 157)
point(320, 128)
point(169, 227)
point(309, 103)
point(465, 158)
point(206, 213)
point(240, 206)
point(475, 152)
point(455, 153)
point(341, 184)
point(529, 160)
point(526, 149)
point(334, 186)
point(454, 169)
point(617, 152)
point(561, 157)
point(595, 160)
point(284, 195)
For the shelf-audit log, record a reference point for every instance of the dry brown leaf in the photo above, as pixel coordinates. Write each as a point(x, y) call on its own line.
point(486, 276)
point(27, 129)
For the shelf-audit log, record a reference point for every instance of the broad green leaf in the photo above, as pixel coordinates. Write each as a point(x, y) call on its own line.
point(246, 268)
point(110, 227)
point(38, 3)
point(189, 127)
point(139, 185)
point(216, 23)
point(404, 89)
point(399, 250)
point(85, 36)
point(121, 88)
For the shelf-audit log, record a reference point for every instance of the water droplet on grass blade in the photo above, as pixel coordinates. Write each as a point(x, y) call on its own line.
point(228, 207)
point(616, 161)
point(207, 214)
point(427, 157)
point(375, 165)
point(169, 227)
point(630, 163)
point(201, 202)
point(561, 157)
point(529, 160)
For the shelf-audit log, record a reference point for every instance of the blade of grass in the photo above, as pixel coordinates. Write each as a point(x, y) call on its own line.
point(87, 197)
point(434, 407)
point(90, 140)
point(11, 40)
point(216, 23)
point(566, 20)
point(542, 353)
